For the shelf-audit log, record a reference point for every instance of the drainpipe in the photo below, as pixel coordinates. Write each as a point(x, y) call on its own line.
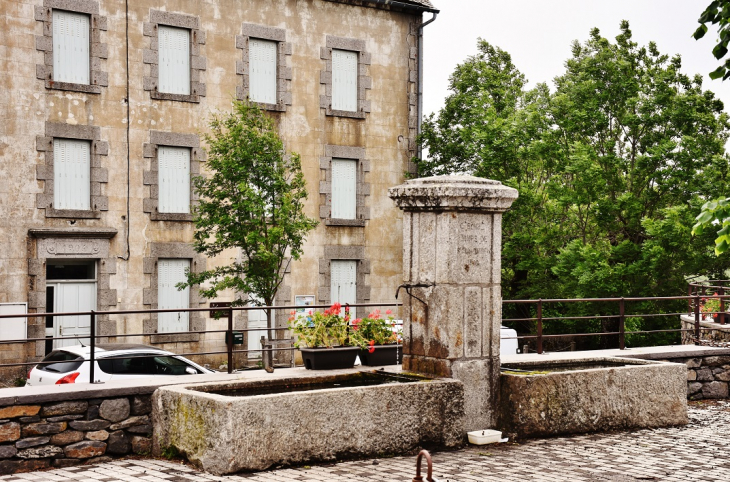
point(420, 78)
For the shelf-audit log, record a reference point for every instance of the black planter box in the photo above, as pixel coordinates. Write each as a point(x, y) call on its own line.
point(329, 358)
point(383, 355)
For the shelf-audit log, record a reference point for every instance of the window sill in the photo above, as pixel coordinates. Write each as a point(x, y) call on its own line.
point(345, 113)
point(272, 107)
point(86, 88)
point(176, 97)
point(72, 213)
point(177, 338)
point(344, 222)
point(186, 217)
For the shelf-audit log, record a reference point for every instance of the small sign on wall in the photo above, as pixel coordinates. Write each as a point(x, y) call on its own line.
point(15, 328)
point(303, 301)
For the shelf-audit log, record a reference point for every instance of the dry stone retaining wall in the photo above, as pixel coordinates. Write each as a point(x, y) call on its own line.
point(36, 436)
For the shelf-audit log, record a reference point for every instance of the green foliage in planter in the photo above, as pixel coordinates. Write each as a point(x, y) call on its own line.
point(376, 330)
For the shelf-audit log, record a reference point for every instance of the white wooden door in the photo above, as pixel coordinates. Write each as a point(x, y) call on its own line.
point(262, 70)
point(344, 188)
point(344, 80)
point(70, 47)
point(73, 296)
point(174, 60)
point(343, 286)
point(257, 321)
point(170, 273)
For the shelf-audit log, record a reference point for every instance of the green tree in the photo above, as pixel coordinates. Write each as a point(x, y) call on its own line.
point(717, 213)
point(252, 201)
point(717, 12)
point(612, 166)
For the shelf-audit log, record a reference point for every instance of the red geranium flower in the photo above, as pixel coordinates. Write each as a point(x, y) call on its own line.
point(372, 346)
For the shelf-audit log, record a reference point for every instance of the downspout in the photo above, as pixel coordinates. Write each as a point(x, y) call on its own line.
point(129, 121)
point(419, 84)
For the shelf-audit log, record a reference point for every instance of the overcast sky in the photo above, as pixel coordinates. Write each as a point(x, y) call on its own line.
point(538, 35)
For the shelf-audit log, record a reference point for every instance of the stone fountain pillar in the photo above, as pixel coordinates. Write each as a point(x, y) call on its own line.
point(452, 244)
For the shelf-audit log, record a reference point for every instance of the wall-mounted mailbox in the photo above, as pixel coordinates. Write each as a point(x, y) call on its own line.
point(237, 338)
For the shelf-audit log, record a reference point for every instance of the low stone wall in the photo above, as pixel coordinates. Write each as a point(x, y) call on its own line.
point(63, 434)
point(711, 333)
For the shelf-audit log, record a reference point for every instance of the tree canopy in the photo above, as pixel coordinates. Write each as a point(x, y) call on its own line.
point(717, 13)
point(612, 166)
point(251, 201)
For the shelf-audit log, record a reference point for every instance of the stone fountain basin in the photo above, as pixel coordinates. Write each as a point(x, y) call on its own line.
point(224, 434)
point(594, 394)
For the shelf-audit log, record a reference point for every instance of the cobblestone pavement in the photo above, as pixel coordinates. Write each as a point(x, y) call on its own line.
point(695, 452)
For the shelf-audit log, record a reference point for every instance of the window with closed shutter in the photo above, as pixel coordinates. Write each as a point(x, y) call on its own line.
point(343, 288)
point(174, 60)
point(174, 179)
point(262, 70)
point(344, 80)
point(344, 189)
point(70, 47)
point(71, 174)
point(170, 272)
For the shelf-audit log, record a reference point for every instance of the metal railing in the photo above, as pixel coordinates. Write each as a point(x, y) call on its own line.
point(226, 313)
point(695, 301)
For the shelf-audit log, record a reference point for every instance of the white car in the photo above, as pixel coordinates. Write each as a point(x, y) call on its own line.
point(113, 362)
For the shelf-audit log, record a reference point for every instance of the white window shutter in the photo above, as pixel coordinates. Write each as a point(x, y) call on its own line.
point(344, 189)
point(343, 288)
point(174, 61)
point(173, 167)
point(169, 273)
point(344, 80)
point(70, 47)
point(71, 174)
point(262, 70)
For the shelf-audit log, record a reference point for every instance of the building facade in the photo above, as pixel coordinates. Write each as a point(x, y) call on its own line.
point(103, 105)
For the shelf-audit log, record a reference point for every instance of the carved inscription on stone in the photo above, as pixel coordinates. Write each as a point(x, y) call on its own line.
point(473, 250)
point(83, 248)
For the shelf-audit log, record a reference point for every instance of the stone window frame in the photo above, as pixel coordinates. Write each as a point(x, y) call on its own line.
point(150, 295)
point(283, 73)
point(97, 176)
point(106, 266)
point(151, 56)
point(151, 177)
point(364, 82)
point(351, 253)
point(97, 50)
point(325, 187)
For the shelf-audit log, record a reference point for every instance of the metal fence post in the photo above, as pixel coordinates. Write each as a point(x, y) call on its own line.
point(92, 346)
point(697, 319)
point(621, 324)
point(722, 306)
point(539, 326)
point(229, 335)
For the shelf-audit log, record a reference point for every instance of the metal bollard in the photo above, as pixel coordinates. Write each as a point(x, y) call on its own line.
point(429, 476)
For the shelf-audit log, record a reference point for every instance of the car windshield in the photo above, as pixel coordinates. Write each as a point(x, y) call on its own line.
point(61, 362)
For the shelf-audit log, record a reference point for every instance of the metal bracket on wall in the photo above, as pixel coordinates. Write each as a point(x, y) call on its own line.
point(408, 288)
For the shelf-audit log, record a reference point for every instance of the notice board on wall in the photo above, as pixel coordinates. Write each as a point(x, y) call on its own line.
point(15, 328)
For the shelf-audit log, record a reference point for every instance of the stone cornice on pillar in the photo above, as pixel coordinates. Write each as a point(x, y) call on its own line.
point(452, 193)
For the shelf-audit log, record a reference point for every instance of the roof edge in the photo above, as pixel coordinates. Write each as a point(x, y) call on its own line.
point(413, 7)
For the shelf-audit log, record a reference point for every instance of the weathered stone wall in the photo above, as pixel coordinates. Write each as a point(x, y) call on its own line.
point(36, 436)
point(127, 115)
point(711, 333)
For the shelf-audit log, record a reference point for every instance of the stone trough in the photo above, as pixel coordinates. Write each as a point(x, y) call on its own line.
point(549, 398)
point(225, 428)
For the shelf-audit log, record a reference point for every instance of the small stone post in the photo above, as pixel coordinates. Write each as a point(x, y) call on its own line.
point(452, 244)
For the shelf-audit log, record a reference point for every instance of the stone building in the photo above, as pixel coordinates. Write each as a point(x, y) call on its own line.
point(102, 107)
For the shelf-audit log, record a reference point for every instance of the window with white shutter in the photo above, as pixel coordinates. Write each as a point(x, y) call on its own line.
point(262, 70)
point(70, 47)
point(344, 80)
point(71, 174)
point(343, 288)
point(174, 179)
point(169, 273)
point(174, 60)
point(344, 189)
